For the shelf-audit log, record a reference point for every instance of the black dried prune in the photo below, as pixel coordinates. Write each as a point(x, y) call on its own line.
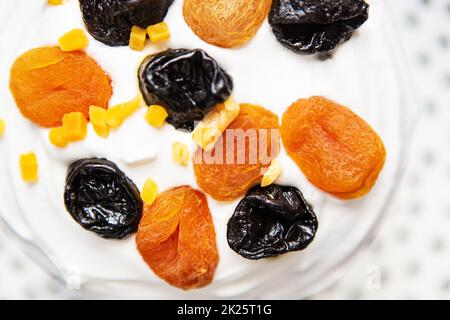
point(187, 83)
point(110, 21)
point(102, 199)
point(271, 221)
point(316, 26)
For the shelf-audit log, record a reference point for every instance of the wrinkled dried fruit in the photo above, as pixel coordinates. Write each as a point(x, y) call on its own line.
point(241, 156)
point(102, 199)
point(187, 83)
point(110, 21)
point(271, 221)
point(149, 191)
point(336, 150)
point(180, 153)
point(316, 26)
point(177, 239)
point(47, 83)
point(225, 23)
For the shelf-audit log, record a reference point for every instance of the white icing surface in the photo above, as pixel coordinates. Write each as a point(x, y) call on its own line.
point(361, 75)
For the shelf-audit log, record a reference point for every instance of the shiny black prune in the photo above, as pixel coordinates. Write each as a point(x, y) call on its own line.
point(110, 21)
point(187, 83)
point(102, 199)
point(271, 221)
point(316, 26)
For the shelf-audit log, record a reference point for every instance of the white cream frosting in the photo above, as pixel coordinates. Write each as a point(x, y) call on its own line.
point(360, 75)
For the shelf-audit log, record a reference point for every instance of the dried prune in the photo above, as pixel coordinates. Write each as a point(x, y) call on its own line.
point(241, 156)
point(316, 26)
point(225, 23)
point(187, 83)
point(47, 83)
point(110, 21)
point(102, 199)
point(271, 221)
point(177, 239)
point(336, 149)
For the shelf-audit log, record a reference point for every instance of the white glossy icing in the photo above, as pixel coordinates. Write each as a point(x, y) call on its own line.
point(360, 75)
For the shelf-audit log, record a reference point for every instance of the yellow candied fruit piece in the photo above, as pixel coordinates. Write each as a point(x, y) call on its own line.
point(57, 138)
point(74, 126)
point(73, 40)
point(156, 116)
point(272, 173)
point(117, 114)
point(55, 2)
point(215, 123)
point(2, 127)
point(149, 191)
point(180, 153)
point(98, 116)
point(137, 38)
point(29, 167)
point(158, 32)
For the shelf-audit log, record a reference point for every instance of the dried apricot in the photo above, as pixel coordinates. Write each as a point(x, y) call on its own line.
point(47, 83)
point(225, 23)
point(241, 156)
point(177, 239)
point(336, 149)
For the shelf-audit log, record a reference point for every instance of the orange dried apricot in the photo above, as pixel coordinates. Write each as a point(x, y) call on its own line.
point(225, 23)
point(336, 149)
point(47, 83)
point(177, 239)
point(241, 156)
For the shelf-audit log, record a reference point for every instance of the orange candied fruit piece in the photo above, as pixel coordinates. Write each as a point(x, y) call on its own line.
point(335, 149)
point(29, 167)
point(73, 40)
point(149, 191)
point(137, 38)
point(47, 83)
point(180, 153)
point(98, 117)
point(158, 32)
point(177, 239)
point(54, 2)
point(156, 116)
point(57, 138)
point(117, 114)
point(74, 126)
point(2, 127)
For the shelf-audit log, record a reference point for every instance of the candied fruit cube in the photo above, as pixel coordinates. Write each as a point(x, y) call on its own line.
point(117, 114)
point(137, 38)
point(57, 138)
point(98, 116)
point(73, 40)
point(180, 153)
point(29, 167)
point(2, 127)
point(215, 123)
point(54, 2)
point(158, 32)
point(272, 173)
point(74, 126)
point(156, 116)
point(149, 191)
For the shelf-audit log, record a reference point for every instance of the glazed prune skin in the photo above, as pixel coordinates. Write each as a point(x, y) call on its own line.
point(316, 26)
point(110, 21)
point(271, 221)
point(102, 199)
point(187, 83)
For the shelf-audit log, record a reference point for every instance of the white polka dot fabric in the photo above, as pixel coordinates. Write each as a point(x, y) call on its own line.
point(410, 259)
